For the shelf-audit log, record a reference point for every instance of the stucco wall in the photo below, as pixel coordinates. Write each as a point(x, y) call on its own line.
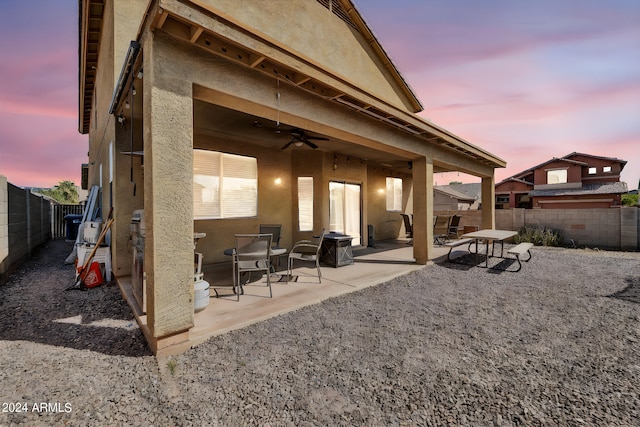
point(274, 199)
point(326, 40)
point(388, 224)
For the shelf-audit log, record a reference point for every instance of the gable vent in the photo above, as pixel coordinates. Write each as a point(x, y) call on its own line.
point(336, 8)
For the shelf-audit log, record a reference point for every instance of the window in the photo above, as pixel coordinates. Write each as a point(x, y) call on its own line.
point(224, 185)
point(394, 194)
point(557, 176)
point(305, 203)
point(606, 169)
point(592, 171)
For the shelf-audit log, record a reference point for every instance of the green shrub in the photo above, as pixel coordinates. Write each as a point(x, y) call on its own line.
point(539, 236)
point(629, 199)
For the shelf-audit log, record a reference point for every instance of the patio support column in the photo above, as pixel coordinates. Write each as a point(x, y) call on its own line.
point(422, 210)
point(488, 202)
point(168, 198)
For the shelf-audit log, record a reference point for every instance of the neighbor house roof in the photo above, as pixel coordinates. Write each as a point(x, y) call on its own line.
point(466, 192)
point(567, 158)
point(587, 189)
point(454, 194)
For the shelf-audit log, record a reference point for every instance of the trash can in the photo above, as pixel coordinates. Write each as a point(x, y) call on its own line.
point(371, 233)
point(72, 223)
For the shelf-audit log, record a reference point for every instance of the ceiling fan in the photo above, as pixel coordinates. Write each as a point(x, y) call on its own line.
point(299, 137)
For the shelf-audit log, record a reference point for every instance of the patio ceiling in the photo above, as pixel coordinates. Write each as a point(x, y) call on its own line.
point(222, 122)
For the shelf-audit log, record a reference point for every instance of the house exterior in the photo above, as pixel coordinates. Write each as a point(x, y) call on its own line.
point(461, 197)
point(574, 181)
point(214, 116)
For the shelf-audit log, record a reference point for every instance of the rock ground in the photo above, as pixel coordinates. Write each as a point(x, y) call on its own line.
point(556, 344)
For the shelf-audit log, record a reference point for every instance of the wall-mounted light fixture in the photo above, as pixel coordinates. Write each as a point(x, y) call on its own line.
point(126, 105)
point(139, 75)
point(277, 181)
point(335, 161)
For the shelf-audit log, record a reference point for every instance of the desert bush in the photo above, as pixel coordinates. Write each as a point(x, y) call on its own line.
point(539, 235)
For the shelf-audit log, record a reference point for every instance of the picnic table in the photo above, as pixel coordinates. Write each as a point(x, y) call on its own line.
point(493, 236)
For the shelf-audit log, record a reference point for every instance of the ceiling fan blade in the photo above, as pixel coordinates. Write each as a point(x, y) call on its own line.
point(310, 144)
point(317, 138)
point(288, 144)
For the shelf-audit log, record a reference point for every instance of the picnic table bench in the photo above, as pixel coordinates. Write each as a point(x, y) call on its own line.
point(455, 243)
point(519, 250)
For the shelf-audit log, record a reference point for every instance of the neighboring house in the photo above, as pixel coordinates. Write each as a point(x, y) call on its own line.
point(576, 180)
point(215, 116)
point(460, 197)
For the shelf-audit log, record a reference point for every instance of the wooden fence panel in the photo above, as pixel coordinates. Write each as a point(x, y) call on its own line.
point(58, 223)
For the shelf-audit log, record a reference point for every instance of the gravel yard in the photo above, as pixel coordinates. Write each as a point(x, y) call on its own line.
point(557, 343)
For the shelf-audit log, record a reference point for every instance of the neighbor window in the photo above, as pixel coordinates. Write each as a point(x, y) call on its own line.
point(394, 194)
point(224, 185)
point(606, 169)
point(305, 203)
point(557, 176)
point(592, 171)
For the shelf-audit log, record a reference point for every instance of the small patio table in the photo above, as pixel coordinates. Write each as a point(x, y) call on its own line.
point(490, 234)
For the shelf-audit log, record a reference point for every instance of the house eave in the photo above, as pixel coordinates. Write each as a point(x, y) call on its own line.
point(90, 14)
point(278, 64)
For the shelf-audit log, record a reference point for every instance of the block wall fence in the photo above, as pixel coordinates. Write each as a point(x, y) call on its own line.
point(613, 229)
point(25, 224)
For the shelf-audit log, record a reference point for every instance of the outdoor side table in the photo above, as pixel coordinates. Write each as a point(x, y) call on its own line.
point(336, 250)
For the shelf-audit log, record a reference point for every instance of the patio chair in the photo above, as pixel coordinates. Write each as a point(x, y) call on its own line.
point(441, 229)
point(407, 225)
point(306, 250)
point(275, 230)
point(454, 226)
point(252, 253)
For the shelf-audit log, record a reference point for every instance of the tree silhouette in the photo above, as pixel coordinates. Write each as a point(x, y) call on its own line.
point(65, 192)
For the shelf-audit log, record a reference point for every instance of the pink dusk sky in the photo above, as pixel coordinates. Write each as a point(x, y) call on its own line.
point(526, 81)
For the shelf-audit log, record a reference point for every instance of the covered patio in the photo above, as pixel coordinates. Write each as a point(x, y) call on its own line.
point(390, 259)
point(213, 120)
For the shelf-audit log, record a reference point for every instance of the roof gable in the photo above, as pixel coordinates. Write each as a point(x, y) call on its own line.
point(330, 34)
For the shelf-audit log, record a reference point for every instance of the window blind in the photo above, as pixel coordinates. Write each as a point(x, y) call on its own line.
point(224, 185)
point(305, 203)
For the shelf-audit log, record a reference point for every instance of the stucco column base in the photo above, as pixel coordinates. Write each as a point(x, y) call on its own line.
point(163, 346)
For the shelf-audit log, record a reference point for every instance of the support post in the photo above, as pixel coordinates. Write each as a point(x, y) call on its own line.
point(422, 210)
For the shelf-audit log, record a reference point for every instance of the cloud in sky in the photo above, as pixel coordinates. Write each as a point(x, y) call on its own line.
point(526, 81)
point(39, 143)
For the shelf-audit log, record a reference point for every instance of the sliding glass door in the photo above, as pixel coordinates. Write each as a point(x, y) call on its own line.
point(344, 210)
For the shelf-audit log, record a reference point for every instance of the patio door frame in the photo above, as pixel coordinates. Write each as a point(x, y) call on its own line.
point(357, 239)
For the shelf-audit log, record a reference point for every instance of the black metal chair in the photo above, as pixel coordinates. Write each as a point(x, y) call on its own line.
point(441, 229)
point(275, 230)
point(407, 225)
point(454, 226)
point(252, 253)
point(306, 250)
